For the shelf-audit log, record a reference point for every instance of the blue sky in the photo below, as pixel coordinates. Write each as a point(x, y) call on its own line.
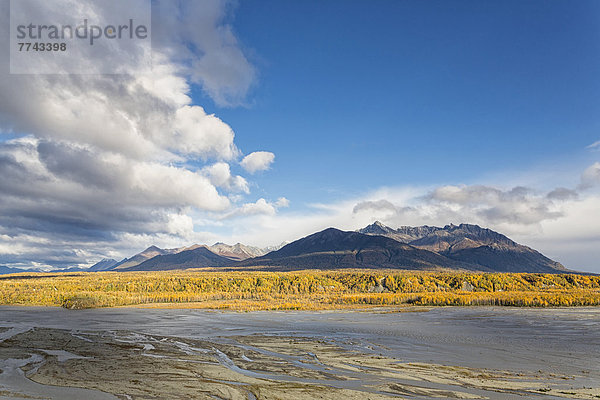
point(408, 112)
point(354, 95)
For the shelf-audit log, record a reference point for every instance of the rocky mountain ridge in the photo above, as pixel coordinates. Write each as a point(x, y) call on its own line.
point(472, 244)
point(452, 247)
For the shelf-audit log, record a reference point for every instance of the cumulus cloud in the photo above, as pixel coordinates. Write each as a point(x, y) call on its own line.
point(562, 194)
point(197, 133)
point(282, 202)
point(63, 187)
point(574, 239)
point(102, 159)
point(219, 63)
point(482, 204)
point(260, 207)
point(258, 161)
point(220, 176)
point(518, 205)
point(591, 176)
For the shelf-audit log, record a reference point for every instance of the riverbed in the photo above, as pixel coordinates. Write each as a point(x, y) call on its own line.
point(417, 353)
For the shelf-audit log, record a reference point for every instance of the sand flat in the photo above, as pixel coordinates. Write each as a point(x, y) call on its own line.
point(144, 354)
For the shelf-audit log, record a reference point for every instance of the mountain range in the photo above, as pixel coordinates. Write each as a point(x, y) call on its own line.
point(196, 256)
point(4, 270)
point(453, 247)
point(333, 248)
point(470, 244)
point(9, 270)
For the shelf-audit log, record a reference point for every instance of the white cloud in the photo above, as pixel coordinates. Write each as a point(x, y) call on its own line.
point(594, 146)
point(574, 239)
point(258, 161)
point(197, 133)
point(68, 172)
point(146, 113)
point(591, 176)
point(260, 207)
point(220, 176)
point(282, 202)
point(381, 207)
point(180, 224)
point(519, 205)
point(219, 65)
point(110, 157)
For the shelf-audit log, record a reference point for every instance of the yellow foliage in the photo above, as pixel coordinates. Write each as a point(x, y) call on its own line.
point(302, 290)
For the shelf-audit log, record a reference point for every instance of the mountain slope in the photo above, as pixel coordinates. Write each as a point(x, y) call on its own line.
point(105, 264)
point(471, 244)
point(333, 248)
point(139, 258)
point(276, 247)
point(9, 270)
point(197, 257)
point(404, 234)
point(237, 252)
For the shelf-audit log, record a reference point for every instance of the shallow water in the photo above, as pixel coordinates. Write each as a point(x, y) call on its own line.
point(13, 379)
point(564, 341)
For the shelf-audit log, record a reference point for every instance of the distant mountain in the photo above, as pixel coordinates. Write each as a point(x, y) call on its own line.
point(237, 252)
point(471, 244)
point(462, 247)
point(8, 270)
point(196, 257)
point(72, 269)
point(333, 248)
point(103, 265)
point(276, 247)
point(11, 270)
point(404, 234)
point(185, 257)
point(139, 258)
